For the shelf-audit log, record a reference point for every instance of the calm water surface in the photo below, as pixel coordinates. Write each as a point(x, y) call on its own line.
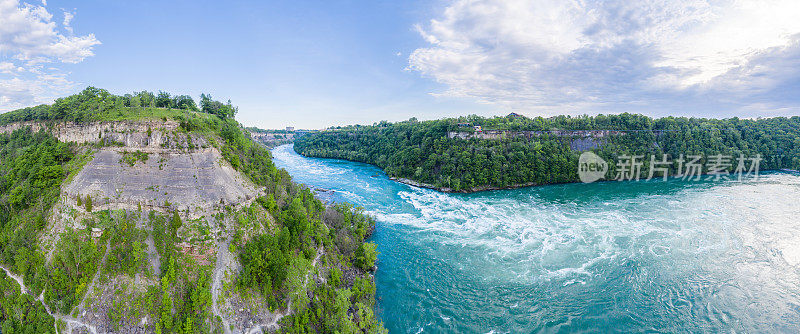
point(623, 256)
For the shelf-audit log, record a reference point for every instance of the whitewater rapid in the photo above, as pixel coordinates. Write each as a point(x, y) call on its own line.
point(634, 256)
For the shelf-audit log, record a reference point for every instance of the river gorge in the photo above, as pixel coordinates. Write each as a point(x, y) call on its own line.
point(670, 256)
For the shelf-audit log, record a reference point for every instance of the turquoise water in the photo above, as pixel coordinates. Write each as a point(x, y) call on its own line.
point(616, 256)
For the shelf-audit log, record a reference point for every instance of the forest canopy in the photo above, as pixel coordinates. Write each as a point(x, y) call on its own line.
point(422, 150)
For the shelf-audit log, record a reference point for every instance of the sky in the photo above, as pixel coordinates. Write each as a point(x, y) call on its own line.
point(325, 63)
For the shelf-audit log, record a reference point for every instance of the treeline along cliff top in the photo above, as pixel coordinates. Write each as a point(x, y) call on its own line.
point(477, 153)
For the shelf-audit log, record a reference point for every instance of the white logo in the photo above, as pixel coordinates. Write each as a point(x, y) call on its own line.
point(591, 167)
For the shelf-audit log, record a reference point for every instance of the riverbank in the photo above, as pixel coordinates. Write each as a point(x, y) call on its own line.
point(463, 191)
point(490, 187)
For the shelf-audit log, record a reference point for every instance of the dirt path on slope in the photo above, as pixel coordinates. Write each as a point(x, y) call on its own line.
point(72, 323)
point(152, 254)
point(224, 260)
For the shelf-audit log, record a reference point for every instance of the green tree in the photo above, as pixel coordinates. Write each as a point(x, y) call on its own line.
point(176, 221)
point(88, 203)
point(366, 255)
point(163, 100)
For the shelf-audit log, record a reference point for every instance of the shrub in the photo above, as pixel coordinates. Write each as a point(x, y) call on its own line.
point(365, 256)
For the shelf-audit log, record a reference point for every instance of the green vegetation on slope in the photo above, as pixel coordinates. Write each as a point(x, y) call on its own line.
point(277, 264)
point(19, 312)
point(131, 158)
point(277, 238)
point(422, 151)
point(32, 166)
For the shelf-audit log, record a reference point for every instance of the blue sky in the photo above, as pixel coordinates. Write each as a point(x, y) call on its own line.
point(317, 64)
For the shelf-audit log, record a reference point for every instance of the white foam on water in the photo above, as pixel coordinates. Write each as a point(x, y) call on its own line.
point(536, 239)
point(721, 255)
point(530, 235)
point(287, 157)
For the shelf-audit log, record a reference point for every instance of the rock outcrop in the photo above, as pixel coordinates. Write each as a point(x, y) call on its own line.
point(134, 134)
point(196, 181)
point(180, 170)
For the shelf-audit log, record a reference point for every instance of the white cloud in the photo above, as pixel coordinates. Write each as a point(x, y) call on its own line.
point(31, 47)
point(67, 19)
point(20, 92)
point(575, 55)
point(7, 67)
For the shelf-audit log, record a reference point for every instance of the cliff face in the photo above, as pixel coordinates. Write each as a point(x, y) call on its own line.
point(134, 134)
point(196, 181)
point(578, 140)
point(273, 139)
point(174, 169)
point(135, 169)
point(164, 221)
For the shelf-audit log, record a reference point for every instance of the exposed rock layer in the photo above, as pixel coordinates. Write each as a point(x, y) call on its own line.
point(182, 171)
point(134, 134)
point(196, 181)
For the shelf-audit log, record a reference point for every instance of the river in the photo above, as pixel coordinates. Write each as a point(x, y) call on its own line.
point(626, 256)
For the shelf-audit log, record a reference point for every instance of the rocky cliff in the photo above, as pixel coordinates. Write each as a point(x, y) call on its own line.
point(134, 169)
point(134, 134)
point(174, 169)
